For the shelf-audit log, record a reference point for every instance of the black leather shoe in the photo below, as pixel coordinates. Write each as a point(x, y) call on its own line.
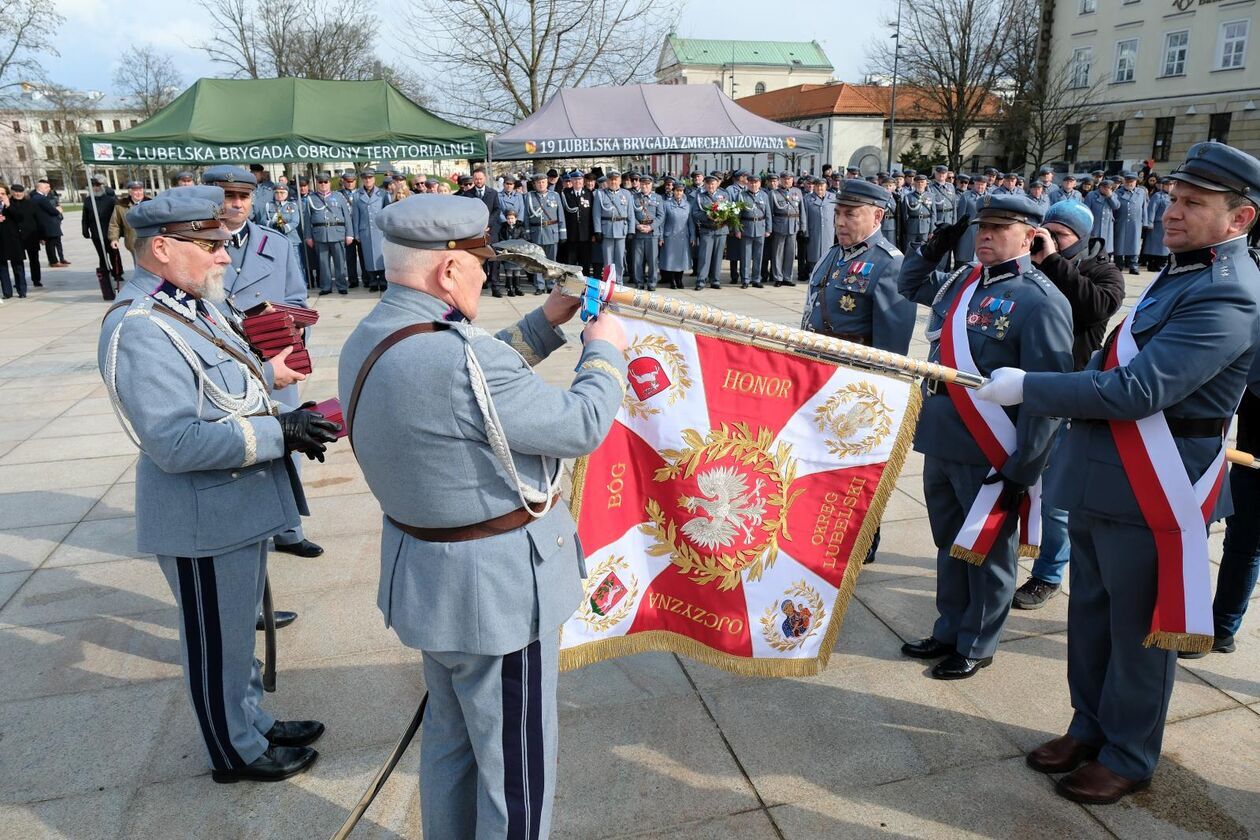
point(928, 648)
point(1221, 644)
point(305, 548)
point(276, 764)
point(958, 667)
point(294, 733)
point(283, 619)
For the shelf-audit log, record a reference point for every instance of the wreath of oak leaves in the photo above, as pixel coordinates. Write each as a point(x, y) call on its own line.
point(600, 624)
point(863, 392)
point(737, 441)
point(673, 358)
point(770, 628)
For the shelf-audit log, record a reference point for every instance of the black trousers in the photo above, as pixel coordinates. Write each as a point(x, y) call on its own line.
point(52, 245)
point(19, 277)
point(32, 257)
point(354, 260)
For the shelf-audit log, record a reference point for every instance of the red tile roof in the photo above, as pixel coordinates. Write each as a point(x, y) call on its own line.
point(844, 99)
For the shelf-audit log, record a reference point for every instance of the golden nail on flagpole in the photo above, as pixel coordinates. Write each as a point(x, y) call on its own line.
point(648, 306)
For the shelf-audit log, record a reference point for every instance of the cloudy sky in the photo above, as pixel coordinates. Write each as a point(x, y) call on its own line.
point(96, 33)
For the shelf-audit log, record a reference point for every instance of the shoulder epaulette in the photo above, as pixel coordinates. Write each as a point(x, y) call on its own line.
point(890, 248)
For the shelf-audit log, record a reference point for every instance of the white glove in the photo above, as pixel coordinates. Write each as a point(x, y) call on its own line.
point(1005, 387)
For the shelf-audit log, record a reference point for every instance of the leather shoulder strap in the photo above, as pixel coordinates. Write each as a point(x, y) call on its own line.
point(118, 305)
point(378, 351)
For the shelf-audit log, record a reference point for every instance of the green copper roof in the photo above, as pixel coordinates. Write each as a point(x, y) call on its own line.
point(804, 54)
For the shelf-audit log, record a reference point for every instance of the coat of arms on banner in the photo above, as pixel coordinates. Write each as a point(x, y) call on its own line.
point(727, 514)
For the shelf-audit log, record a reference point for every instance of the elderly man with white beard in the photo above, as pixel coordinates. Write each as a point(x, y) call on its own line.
point(213, 482)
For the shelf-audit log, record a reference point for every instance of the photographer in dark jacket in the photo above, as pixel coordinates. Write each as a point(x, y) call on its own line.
point(1095, 289)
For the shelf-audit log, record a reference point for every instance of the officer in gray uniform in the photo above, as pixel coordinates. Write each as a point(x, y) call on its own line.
point(853, 290)
point(1102, 202)
point(968, 204)
point(369, 200)
point(819, 210)
point(328, 232)
point(754, 219)
point(264, 189)
point(1014, 313)
point(212, 483)
point(944, 197)
point(544, 219)
point(1130, 217)
point(1195, 330)
point(918, 214)
point(712, 236)
point(263, 269)
point(281, 214)
point(1037, 194)
point(735, 191)
point(649, 216)
point(1066, 191)
point(480, 562)
point(354, 255)
point(610, 219)
point(785, 224)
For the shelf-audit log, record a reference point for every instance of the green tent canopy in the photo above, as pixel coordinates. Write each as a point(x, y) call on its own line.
point(285, 121)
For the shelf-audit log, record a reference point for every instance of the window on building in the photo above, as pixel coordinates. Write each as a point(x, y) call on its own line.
point(914, 134)
point(1088, 7)
point(1176, 46)
point(1078, 72)
point(135, 123)
point(57, 126)
point(100, 125)
point(117, 125)
point(938, 133)
point(1071, 141)
point(1232, 45)
point(760, 87)
point(1126, 60)
point(1218, 127)
point(975, 163)
point(982, 133)
point(17, 127)
point(43, 126)
point(50, 153)
point(21, 154)
point(1115, 139)
point(1163, 137)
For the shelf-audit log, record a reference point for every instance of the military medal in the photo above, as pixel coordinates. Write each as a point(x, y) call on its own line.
point(848, 303)
point(1001, 325)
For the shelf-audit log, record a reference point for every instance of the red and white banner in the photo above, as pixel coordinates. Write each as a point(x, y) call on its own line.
point(1176, 511)
point(727, 514)
point(994, 433)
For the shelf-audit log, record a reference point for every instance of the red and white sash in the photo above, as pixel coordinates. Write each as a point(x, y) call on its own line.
point(1176, 511)
point(994, 432)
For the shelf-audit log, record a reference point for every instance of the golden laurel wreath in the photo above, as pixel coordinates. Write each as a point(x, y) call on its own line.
point(771, 630)
point(666, 351)
point(601, 623)
point(737, 441)
point(868, 405)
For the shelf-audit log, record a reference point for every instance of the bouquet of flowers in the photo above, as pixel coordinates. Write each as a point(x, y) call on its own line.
point(725, 212)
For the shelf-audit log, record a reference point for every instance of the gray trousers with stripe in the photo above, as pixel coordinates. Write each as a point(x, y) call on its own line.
point(219, 598)
point(488, 749)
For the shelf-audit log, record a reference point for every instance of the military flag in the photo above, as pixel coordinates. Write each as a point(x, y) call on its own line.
point(729, 511)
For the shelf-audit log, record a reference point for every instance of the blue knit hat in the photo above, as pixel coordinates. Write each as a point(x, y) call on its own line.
point(1073, 215)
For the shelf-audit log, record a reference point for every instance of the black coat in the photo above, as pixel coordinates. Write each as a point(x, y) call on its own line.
point(98, 209)
point(28, 225)
point(491, 199)
point(1094, 286)
point(10, 236)
point(47, 215)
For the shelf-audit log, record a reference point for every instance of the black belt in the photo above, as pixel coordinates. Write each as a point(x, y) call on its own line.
point(329, 224)
point(1185, 427)
point(932, 387)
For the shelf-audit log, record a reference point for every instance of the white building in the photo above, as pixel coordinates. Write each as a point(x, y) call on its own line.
point(1171, 73)
point(742, 68)
point(39, 136)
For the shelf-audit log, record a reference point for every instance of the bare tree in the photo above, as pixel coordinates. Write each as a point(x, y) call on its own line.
point(1019, 75)
point(950, 50)
point(27, 28)
point(67, 110)
point(308, 39)
point(495, 62)
point(1057, 104)
point(147, 79)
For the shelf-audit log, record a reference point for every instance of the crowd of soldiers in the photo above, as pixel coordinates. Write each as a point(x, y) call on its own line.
point(1018, 286)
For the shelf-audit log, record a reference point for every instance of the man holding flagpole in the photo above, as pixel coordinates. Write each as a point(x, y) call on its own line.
point(1150, 413)
point(983, 464)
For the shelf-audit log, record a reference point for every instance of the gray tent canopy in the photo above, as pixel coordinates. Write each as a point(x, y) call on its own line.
point(645, 120)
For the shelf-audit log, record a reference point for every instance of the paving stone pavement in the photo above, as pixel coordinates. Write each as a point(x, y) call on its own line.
point(98, 741)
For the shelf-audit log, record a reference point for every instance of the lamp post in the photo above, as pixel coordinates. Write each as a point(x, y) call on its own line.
point(892, 117)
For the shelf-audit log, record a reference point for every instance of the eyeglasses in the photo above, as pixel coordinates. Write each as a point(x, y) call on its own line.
point(210, 246)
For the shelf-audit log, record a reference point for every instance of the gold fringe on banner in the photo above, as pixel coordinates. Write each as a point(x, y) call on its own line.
point(671, 642)
point(1181, 642)
point(975, 558)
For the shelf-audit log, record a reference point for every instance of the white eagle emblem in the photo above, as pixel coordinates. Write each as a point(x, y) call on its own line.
point(730, 505)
